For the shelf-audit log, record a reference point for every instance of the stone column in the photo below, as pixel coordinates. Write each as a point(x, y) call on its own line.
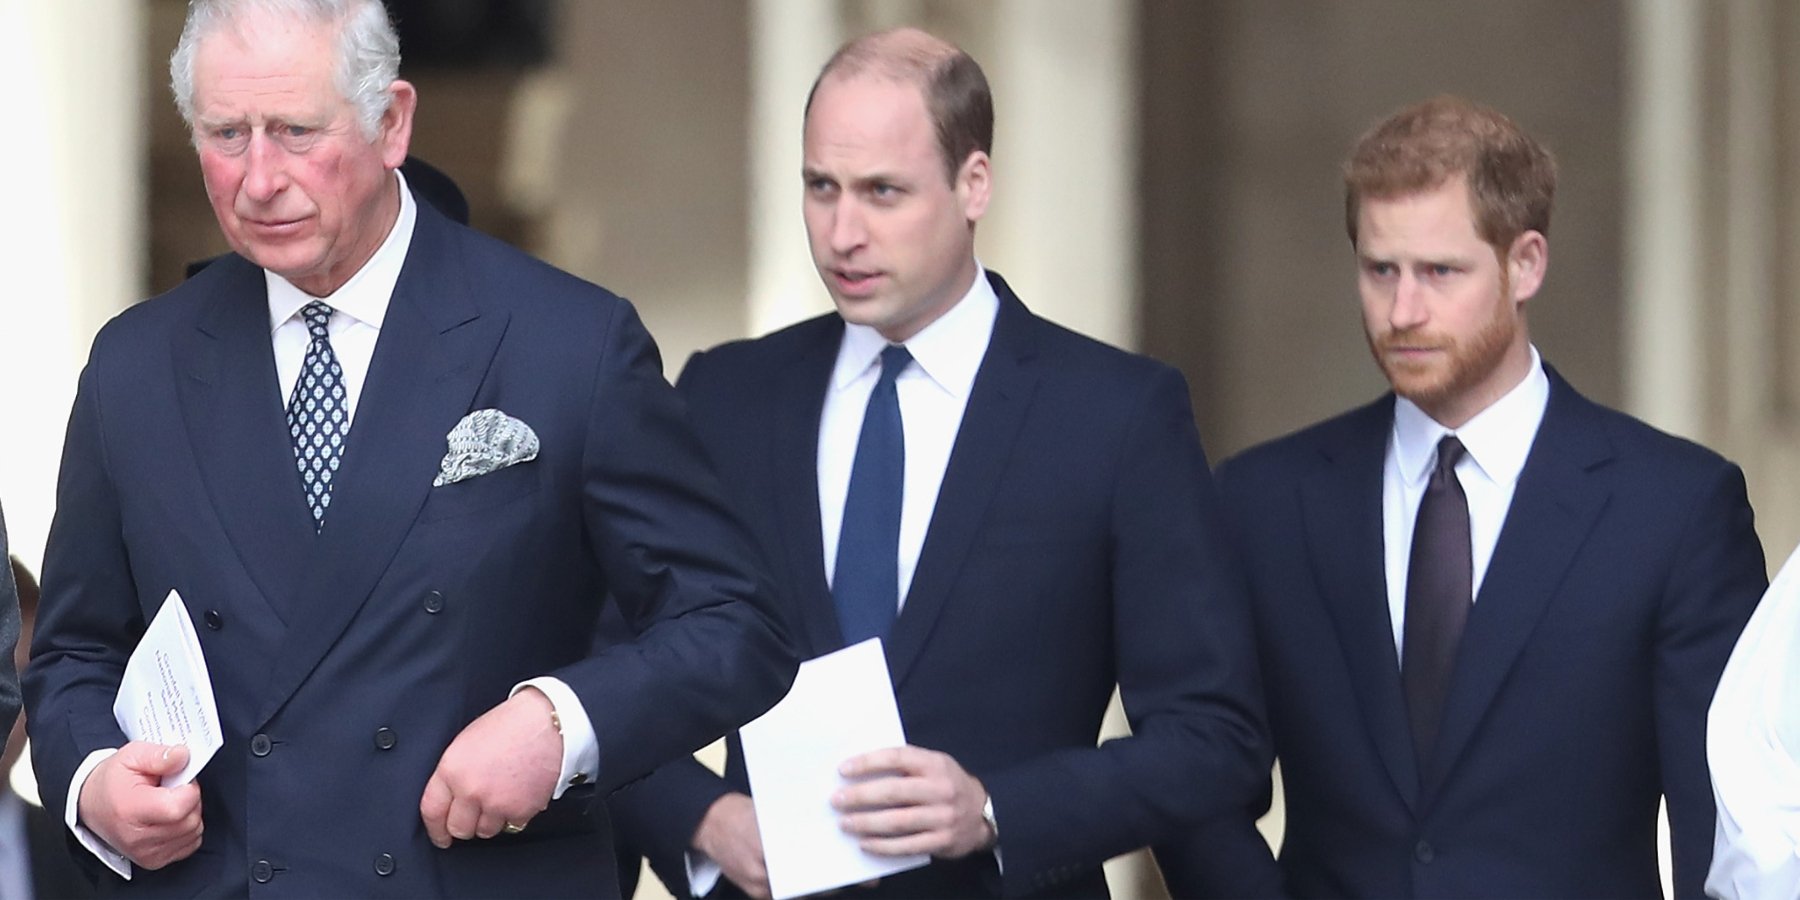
point(72, 239)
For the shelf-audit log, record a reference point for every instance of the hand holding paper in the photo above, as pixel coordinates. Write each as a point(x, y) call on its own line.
point(124, 804)
point(913, 800)
point(140, 800)
point(166, 695)
point(841, 706)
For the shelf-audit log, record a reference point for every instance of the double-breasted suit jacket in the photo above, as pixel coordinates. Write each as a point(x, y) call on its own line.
point(345, 660)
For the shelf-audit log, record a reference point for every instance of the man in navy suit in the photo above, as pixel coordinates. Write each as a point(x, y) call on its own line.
point(1050, 529)
point(392, 467)
point(1490, 612)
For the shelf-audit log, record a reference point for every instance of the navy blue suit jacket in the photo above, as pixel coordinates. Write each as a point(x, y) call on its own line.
point(1626, 567)
point(1074, 544)
point(416, 608)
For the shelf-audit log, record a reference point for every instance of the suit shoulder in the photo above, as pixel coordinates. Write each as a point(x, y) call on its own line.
point(148, 324)
point(1088, 357)
point(1309, 446)
point(1641, 442)
point(754, 359)
point(511, 277)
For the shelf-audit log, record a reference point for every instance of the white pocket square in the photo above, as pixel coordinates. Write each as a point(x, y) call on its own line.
point(486, 440)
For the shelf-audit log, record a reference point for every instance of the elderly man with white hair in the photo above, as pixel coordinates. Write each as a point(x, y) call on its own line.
point(393, 468)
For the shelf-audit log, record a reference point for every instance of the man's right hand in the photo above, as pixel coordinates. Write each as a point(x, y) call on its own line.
point(728, 835)
point(124, 803)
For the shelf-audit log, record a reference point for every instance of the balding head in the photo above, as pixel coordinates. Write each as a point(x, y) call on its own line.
point(955, 89)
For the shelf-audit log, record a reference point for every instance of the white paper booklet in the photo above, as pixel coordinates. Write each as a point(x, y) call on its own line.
point(166, 696)
point(841, 705)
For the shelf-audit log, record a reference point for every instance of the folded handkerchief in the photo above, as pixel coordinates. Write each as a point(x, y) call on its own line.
point(486, 440)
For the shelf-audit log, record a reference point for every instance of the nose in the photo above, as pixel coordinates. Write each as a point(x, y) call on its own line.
point(848, 231)
point(265, 173)
point(1408, 310)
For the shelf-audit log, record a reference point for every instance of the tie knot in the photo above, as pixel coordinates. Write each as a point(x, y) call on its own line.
point(1450, 452)
point(894, 360)
point(316, 315)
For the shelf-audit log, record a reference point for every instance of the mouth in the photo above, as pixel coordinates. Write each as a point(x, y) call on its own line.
point(855, 282)
point(1409, 353)
point(273, 227)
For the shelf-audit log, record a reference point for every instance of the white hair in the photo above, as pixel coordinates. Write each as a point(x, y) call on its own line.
point(368, 50)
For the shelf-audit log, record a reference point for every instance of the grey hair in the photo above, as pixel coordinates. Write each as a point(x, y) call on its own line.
point(368, 50)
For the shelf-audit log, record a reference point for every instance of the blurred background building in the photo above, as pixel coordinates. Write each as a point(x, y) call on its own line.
point(1166, 181)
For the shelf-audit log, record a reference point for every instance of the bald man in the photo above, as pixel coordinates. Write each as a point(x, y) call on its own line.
point(1023, 515)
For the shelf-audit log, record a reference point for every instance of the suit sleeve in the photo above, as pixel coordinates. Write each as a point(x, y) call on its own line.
point(1226, 856)
point(1717, 577)
point(88, 617)
point(9, 636)
point(658, 815)
point(1186, 671)
point(710, 653)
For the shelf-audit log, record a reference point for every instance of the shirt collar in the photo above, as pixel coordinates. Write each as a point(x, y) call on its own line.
point(948, 351)
point(365, 296)
point(1498, 438)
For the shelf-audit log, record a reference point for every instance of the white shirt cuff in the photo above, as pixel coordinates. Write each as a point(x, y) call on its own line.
point(703, 874)
point(580, 749)
point(113, 859)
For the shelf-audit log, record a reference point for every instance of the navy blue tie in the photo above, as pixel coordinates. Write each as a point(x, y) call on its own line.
point(866, 582)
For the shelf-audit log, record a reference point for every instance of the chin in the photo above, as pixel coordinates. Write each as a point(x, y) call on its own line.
point(1422, 387)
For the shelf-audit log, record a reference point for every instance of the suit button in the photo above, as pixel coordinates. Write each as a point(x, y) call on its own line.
point(384, 739)
point(262, 871)
point(1423, 853)
point(384, 864)
point(260, 745)
point(434, 603)
point(214, 620)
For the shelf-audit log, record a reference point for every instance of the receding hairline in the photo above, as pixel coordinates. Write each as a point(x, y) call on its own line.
point(905, 55)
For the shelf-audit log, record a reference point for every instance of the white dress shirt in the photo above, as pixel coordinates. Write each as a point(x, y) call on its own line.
point(1753, 750)
point(358, 310)
point(933, 392)
point(1497, 439)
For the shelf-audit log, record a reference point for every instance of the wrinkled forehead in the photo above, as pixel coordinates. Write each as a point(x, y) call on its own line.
point(266, 65)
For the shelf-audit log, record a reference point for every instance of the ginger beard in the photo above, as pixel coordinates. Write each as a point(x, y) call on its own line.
point(1460, 368)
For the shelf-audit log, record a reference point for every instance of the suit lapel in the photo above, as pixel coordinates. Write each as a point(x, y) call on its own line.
point(990, 427)
point(236, 422)
point(435, 348)
point(1554, 507)
point(1342, 507)
point(796, 466)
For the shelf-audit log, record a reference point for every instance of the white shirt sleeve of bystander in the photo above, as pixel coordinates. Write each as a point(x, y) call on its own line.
point(1753, 750)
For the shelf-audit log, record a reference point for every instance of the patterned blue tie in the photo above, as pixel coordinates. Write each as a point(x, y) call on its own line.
point(318, 415)
point(866, 583)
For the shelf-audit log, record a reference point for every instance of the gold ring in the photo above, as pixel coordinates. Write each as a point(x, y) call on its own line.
point(510, 828)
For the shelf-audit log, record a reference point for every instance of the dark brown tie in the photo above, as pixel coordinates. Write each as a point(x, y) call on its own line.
point(1439, 579)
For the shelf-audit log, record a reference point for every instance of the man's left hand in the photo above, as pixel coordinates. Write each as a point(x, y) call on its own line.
point(912, 800)
point(501, 770)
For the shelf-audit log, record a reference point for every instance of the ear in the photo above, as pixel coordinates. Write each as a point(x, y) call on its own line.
point(395, 134)
point(974, 185)
point(1526, 262)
